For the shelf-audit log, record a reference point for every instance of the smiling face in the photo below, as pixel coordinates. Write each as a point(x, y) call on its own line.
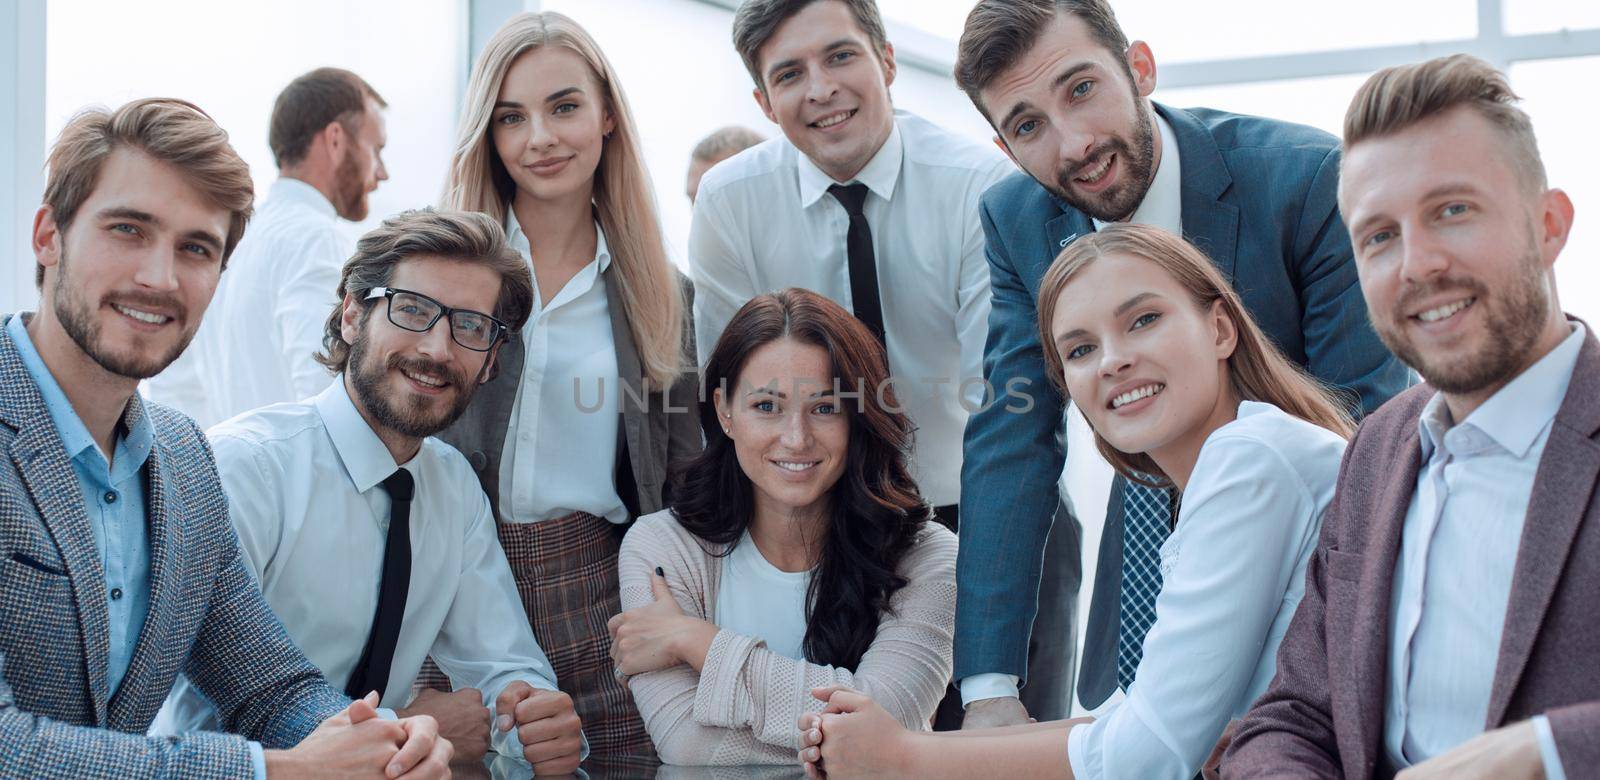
point(1068, 114)
point(789, 430)
point(417, 384)
point(361, 168)
point(1454, 251)
point(549, 124)
point(1146, 365)
point(135, 270)
point(827, 88)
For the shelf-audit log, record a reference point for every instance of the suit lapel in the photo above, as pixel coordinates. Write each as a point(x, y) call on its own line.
point(1562, 492)
point(166, 570)
point(630, 383)
point(52, 483)
point(1207, 222)
point(1060, 231)
point(1370, 654)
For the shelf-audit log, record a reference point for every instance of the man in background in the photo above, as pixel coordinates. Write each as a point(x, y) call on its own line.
point(720, 145)
point(256, 348)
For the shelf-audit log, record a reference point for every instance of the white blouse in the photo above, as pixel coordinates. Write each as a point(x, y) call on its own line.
point(561, 446)
point(755, 598)
point(1233, 572)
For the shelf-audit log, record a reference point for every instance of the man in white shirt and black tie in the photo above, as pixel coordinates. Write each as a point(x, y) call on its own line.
point(372, 540)
point(265, 325)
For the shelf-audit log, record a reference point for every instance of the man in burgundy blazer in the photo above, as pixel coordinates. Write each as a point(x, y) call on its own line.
point(1451, 621)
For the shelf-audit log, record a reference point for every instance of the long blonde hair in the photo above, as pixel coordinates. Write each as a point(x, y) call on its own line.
point(1257, 371)
point(651, 297)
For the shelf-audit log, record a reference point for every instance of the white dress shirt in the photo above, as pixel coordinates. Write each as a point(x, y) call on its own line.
point(268, 315)
point(764, 221)
point(304, 484)
point(755, 598)
point(1162, 207)
point(1233, 572)
point(1452, 580)
point(561, 446)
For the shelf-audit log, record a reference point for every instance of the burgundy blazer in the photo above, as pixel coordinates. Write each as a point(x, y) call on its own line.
point(1323, 714)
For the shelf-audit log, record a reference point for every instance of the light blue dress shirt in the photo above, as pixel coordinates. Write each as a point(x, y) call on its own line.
point(113, 497)
point(1452, 580)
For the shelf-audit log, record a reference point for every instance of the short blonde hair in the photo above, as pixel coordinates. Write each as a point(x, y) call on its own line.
point(172, 131)
point(1396, 98)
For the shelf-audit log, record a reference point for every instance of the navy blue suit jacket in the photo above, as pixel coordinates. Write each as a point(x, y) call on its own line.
point(1259, 197)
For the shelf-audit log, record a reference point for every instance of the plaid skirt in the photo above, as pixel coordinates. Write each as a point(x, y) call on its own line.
point(566, 575)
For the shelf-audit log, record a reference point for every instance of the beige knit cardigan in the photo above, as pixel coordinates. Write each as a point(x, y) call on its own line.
point(742, 707)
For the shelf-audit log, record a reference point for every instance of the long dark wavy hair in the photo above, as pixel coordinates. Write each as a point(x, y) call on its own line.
point(876, 509)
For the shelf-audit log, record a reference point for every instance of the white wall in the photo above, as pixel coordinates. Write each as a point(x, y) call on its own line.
point(233, 58)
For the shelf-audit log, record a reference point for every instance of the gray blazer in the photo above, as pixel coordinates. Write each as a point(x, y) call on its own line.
point(207, 618)
point(1323, 715)
point(657, 428)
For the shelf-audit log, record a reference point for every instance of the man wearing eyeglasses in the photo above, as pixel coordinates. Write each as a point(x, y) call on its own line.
point(372, 540)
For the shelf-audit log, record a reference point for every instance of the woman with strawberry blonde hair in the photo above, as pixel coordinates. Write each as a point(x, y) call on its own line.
point(1184, 392)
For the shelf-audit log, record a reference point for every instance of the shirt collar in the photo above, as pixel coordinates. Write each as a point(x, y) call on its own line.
point(1516, 414)
point(879, 174)
point(137, 437)
point(519, 241)
point(291, 190)
point(365, 459)
point(1162, 206)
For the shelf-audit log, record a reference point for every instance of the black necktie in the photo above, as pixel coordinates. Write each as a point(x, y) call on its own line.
point(863, 266)
point(372, 671)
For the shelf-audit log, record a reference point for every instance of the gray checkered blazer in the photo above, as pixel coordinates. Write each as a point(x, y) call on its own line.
point(207, 617)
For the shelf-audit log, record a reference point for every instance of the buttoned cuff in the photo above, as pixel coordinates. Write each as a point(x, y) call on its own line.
point(1547, 749)
point(990, 685)
point(258, 760)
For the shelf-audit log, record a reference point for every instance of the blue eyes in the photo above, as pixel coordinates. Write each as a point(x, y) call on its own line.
point(509, 119)
point(1027, 127)
point(1145, 320)
point(1082, 88)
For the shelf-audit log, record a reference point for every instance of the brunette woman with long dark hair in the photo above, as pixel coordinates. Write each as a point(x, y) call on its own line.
point(796, 553)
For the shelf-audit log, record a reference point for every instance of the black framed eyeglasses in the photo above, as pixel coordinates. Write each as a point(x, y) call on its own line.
point(417, 313)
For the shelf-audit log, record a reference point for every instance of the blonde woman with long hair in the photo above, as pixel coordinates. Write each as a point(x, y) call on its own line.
point(1183, 390)
point(572, 434)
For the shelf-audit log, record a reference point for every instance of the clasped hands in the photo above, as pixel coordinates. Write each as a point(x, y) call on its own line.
point(358, 743)
point(547, 725)
point(658, 635)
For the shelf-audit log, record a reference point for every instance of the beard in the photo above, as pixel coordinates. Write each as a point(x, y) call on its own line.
point(1138, 161)
point(1513, 320)
point(77, 318)
point(350, 189)
point(413, 415)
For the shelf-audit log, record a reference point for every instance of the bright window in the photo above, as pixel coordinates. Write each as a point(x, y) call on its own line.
point(232, 59)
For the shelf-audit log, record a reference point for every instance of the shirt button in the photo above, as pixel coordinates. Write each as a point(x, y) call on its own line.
point(116, 594)
point(111, 496)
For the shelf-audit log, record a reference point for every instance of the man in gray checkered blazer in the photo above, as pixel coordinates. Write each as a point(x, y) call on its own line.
point(118, 566)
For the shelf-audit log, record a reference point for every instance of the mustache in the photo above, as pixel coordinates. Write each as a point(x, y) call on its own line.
point(1415, 293)
point(418, 365)
point(162, 302)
